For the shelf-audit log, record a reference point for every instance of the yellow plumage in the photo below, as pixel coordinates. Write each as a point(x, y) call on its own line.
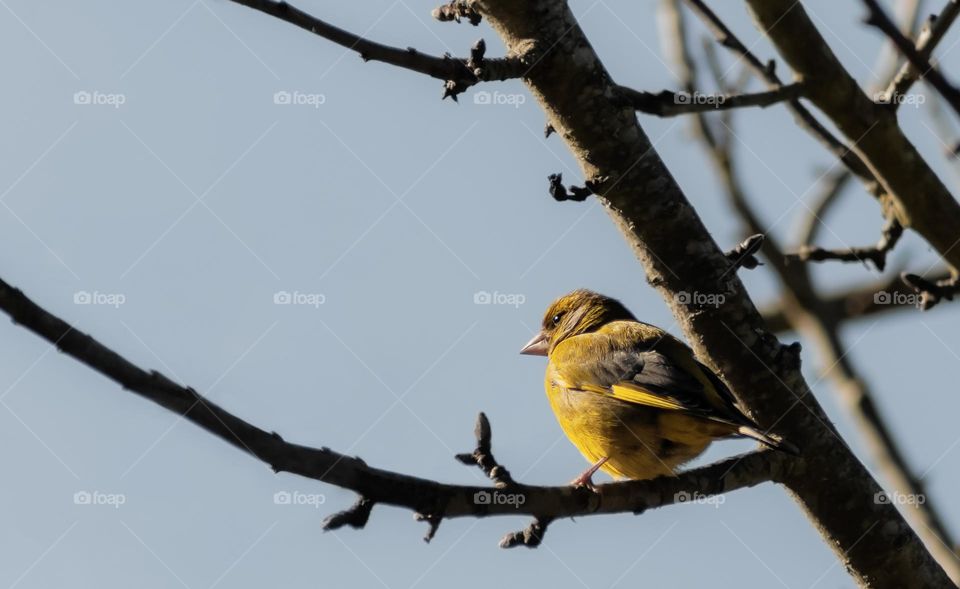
point(629, 394)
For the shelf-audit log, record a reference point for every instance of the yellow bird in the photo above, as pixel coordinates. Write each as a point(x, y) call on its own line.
point(632, 398)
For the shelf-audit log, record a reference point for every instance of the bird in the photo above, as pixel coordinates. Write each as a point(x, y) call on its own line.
point(632, 398)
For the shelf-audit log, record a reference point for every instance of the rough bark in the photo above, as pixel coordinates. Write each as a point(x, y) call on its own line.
point(679, 255)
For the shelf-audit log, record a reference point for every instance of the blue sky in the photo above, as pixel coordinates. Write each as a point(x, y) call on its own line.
point(181, 198)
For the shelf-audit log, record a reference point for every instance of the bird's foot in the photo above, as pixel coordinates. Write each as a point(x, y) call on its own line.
point(586, 477)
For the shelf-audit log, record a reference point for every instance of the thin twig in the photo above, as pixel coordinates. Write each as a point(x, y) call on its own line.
point(455, 72)
point(828, 194)
point(669, 104)
point(889, 236)
point(934, 30)
point(856, 303)
point(878, 18)
point(767, 72)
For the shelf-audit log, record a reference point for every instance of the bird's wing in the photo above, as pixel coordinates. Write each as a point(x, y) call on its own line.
point(643, 367)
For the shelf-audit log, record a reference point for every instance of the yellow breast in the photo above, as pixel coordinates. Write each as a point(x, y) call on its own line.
point(639, 442)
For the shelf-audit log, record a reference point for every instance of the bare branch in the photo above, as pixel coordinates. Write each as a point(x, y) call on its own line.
point(933, 32)
point(482, 456)
point(890, 235)
point(669, 104)
point(456, 72)
point(856, 303)
point(804, 311)
point(878, 18)
point(828, 194)
point(914, 194)
point(767, 72)
point(431, 500)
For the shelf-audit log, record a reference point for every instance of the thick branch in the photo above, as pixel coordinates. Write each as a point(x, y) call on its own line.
point(436, 500)
point(649, 208)
point(805, 313)
point(669, 104)
point(915, 196)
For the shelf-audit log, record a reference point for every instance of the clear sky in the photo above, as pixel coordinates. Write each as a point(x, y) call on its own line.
point(179, 195)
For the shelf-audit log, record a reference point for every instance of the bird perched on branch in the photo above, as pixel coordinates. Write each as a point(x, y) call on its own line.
point(632, 398)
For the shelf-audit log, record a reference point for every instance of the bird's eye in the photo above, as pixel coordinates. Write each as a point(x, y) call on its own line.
point(556, 319)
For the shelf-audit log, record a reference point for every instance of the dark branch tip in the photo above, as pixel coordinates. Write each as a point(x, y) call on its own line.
point(531, 536)
point(355, 517)
point(560, 193)
point(742, 256)
point(433, 522)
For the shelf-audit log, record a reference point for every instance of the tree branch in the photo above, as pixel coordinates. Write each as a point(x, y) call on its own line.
point(831, 187)
point(668, 104)
point(457, 73)
point(878, 18)
point(933, 32)
point(857, 303)
point(766, 72)
point(890, 235)
point(643, 199)
point(931, 292)
point(805, 313)
point(432, 500)
point(915, 196)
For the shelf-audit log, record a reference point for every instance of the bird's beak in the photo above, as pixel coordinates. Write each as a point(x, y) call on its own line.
point(538, 346)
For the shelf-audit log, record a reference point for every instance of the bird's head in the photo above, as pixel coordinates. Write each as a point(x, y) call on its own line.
point(580, 311)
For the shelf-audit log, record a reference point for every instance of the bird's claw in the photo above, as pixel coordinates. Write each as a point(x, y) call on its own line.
point(586, 477)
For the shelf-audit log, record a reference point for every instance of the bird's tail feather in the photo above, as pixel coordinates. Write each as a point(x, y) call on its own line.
point(772, 440)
